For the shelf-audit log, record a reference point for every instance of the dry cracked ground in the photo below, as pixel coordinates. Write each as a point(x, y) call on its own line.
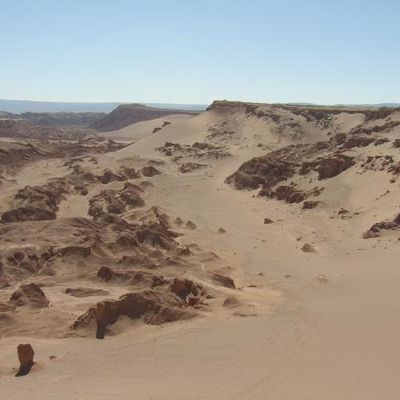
point(247, 252)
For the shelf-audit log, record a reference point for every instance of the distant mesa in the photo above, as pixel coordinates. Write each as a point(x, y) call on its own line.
point(23, 106)
point(23, 118)
point(128, 114)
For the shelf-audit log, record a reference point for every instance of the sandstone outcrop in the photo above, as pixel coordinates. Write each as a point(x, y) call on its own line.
point(150, 306)
point(25, 356)
point(29, 295)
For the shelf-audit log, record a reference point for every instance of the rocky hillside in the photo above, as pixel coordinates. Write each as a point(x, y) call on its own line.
point(62, 119)
point(128, 114)
point(320, 154)
point(56, 119)
point(23, 129)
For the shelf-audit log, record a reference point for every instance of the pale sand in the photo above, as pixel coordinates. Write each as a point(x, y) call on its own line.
point(310, 340)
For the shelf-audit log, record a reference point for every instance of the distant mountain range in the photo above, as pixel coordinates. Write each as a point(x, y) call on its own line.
point(121, 116)
point(377, 105)
point(21, 106)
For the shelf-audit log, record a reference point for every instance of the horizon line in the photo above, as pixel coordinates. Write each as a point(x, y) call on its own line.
point(201, 104)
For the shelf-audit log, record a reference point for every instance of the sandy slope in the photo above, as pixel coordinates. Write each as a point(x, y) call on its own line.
point(139, 130)
point(307, 339)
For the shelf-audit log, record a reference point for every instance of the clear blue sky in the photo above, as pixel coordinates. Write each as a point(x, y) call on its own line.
point(325, 51)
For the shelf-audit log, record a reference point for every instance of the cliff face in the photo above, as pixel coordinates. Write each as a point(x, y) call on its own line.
point(128, 114)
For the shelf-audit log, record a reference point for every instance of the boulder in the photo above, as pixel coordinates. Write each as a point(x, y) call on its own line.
point(149, 171)
point(105, 273)
point(191, 225)
point(308, 248)
point(185, 287)
point(225, 281)
point(310, 204)
point(231, 302)
point(30, 295)
point(25, 356)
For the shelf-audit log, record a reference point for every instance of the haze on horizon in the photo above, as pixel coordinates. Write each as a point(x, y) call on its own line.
point(324, 52)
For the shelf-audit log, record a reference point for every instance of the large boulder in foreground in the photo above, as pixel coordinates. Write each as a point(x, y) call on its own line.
point(29, 295)
point(25, 356)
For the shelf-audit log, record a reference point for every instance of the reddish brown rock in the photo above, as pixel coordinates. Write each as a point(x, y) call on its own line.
point(105, 273)
point(115, 201)
point(191, 225)
point(308, 248)
point(152, 307)
point(132, 277)
point(25, 356)
point(37, 203)
point(333, 166)
point(224, 281)
point(185, 287)
point(231, 302)
point(130, 173)
point(193, 301)
point(286, 193)
point(149, 171)
point(190, 167)
point(357, 141)
point(4, 307)
point(30, 295)
point(396, 143)
point(267, 171)
point(109, 176)
point(310, 204)
point(156, 235)
point(375, 229)
point(27, 214)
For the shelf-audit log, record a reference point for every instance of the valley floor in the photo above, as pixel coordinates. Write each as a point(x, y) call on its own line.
point(336, 340)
